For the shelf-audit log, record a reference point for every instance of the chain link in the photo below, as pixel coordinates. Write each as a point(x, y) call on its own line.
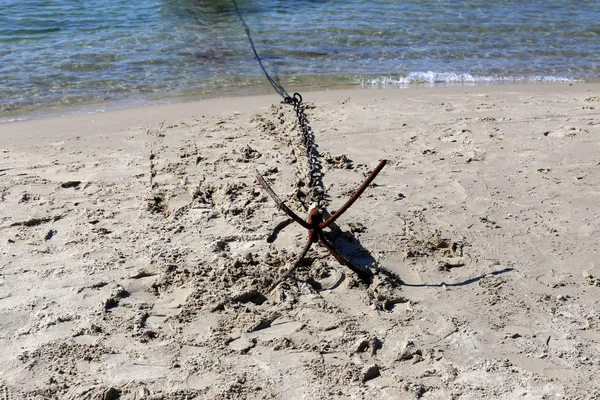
point(316, 188)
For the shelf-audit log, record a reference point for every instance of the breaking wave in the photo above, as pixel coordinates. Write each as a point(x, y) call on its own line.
point(436, 78)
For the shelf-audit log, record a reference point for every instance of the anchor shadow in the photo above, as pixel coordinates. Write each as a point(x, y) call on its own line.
point(462, 283)
point(350, 247)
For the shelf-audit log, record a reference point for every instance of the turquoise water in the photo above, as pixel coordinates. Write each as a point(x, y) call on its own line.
point(69, 53)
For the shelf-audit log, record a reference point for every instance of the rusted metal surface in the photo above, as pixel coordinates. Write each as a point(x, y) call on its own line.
point(315, 224)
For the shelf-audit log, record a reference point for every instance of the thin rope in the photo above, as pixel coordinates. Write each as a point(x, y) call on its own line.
point(278, 88)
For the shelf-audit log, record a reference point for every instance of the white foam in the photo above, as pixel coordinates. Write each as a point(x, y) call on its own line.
point(431, 77)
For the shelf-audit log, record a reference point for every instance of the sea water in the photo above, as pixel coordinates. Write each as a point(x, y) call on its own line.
point(58, 54)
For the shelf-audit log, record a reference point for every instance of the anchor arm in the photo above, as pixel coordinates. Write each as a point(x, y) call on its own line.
point(280, 204)
point(294, 266)
point(355, 196)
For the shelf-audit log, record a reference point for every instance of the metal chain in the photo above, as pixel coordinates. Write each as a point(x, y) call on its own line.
point(316, 188)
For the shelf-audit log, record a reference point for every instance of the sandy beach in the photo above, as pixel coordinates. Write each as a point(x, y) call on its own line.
point(136, 247)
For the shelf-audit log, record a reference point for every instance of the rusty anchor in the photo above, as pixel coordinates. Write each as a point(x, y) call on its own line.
point(315, 223)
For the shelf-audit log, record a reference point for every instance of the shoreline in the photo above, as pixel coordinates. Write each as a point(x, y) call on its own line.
point(135, 257)
point(54, 111)
point(150, 113)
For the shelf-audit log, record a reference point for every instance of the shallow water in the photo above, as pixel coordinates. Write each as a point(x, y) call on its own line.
point(69, 53)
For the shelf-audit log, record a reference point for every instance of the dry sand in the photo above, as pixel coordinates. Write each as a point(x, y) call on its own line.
point(134, 252)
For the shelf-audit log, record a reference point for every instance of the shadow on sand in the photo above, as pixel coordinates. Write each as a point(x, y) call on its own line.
point(350, 247)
